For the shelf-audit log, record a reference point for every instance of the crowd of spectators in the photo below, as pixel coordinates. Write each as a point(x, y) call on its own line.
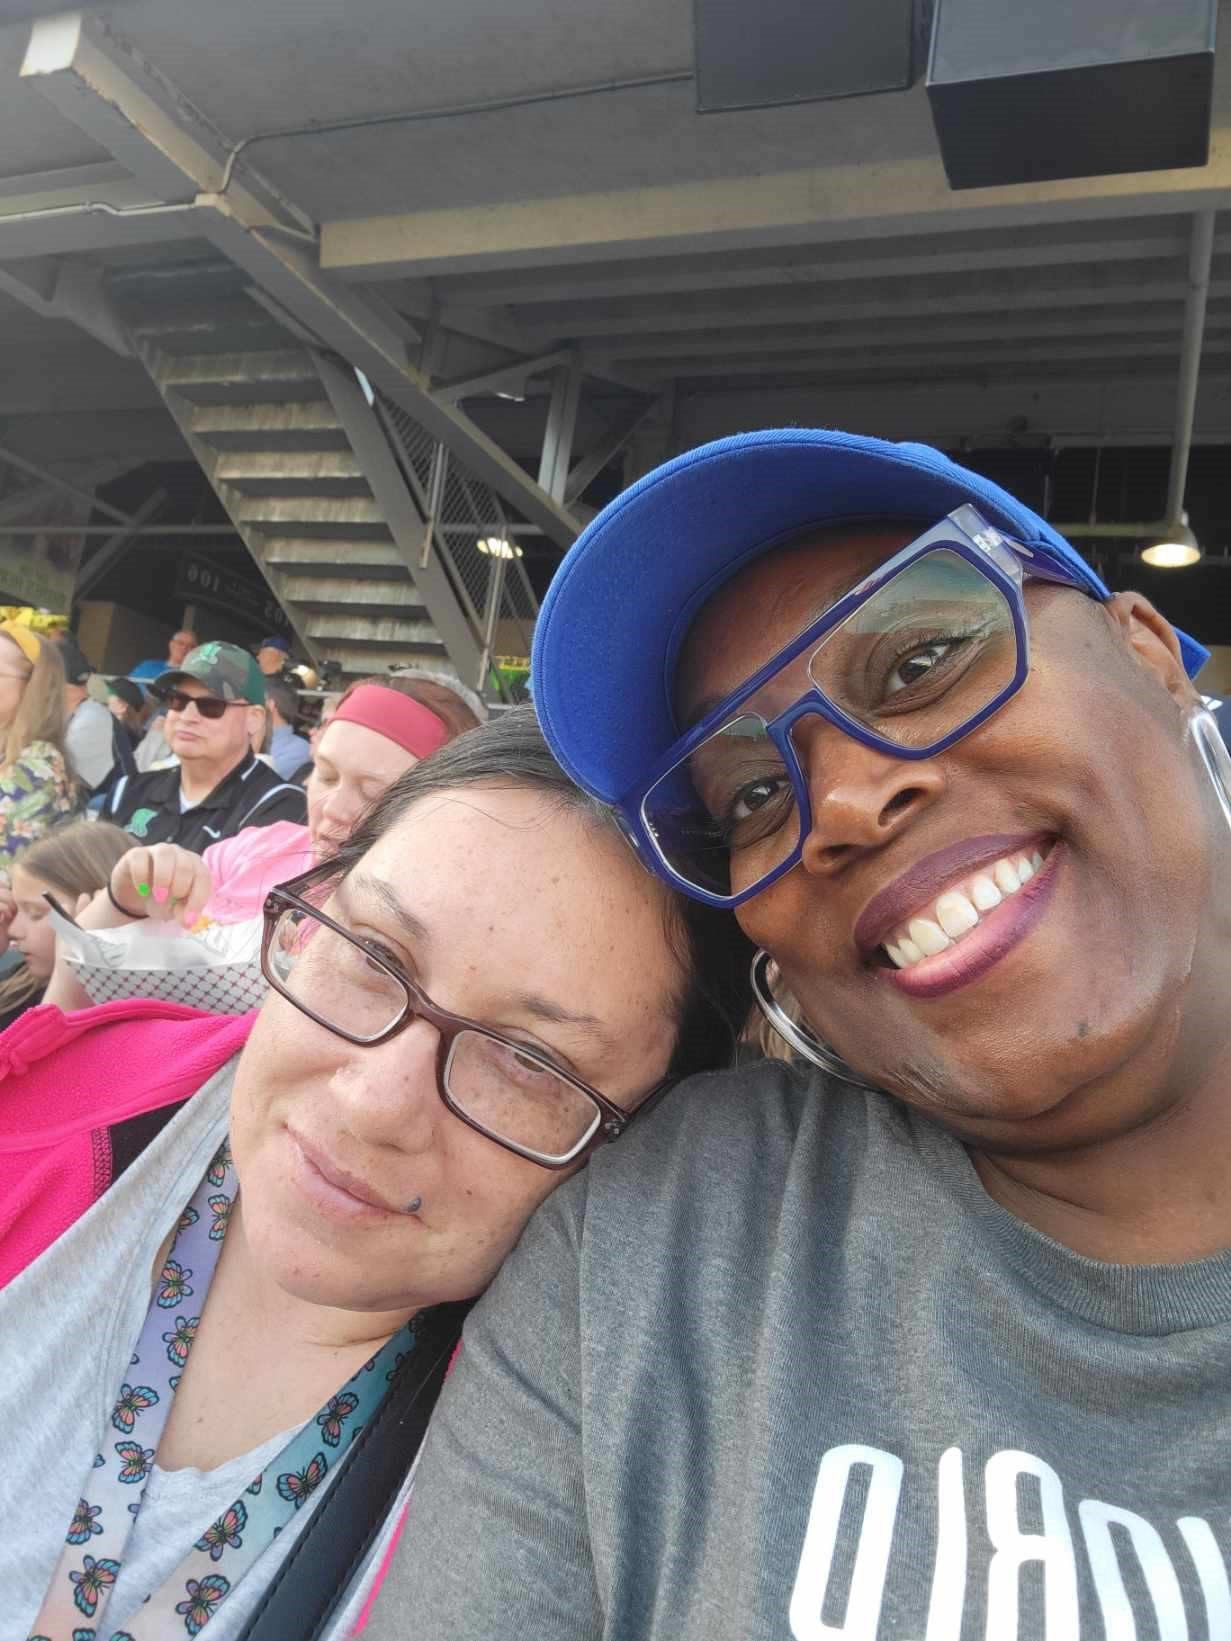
point(206, 769)
point(921, 1328)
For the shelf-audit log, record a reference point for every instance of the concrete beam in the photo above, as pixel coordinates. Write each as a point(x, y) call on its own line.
point(81, 209)
point(1136, 408)
point(1059, 245)
point(1160, 320)
point(881, 177)
point(80, 295)
point(1109, 377)
point(903, 363)
point(124, 103)
point(82, 180)
point(71, 289)
point(884, 299)
point(417, 298)
point(109, 91)
point(81, 230)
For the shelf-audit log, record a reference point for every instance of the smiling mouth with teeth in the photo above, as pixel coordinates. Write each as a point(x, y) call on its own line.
point(953, 914)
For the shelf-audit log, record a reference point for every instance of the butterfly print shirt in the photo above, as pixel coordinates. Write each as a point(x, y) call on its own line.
point(83, 1303)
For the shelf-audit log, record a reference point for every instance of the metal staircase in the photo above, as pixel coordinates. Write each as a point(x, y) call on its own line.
point(366, 531)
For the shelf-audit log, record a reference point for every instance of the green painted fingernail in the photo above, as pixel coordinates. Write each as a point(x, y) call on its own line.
point(143, 888)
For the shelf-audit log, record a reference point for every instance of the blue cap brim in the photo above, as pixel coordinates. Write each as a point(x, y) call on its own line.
point(614, 618)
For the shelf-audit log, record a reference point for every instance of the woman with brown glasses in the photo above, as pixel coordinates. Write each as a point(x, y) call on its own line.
point(475, 992)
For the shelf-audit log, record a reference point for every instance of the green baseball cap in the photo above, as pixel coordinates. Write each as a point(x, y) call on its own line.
point(226, 671)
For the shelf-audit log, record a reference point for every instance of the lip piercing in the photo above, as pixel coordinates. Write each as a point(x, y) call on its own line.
point(413, 1206)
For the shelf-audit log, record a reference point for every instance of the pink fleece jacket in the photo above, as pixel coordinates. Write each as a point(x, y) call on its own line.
point(66, 1080)
point(246, 867)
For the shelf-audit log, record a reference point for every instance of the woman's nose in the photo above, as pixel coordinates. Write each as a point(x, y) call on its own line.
point(861, 798)
point(388, 1091)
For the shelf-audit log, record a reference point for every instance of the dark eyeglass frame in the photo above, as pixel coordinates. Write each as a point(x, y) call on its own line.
point(1003, 561)
point(209, 706)
point(614, 1119)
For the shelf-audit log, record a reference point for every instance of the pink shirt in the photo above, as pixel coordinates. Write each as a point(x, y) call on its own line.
point(246, 867)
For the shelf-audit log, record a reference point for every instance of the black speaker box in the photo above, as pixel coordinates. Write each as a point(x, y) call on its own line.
point(1035, 90)
point(786, 51)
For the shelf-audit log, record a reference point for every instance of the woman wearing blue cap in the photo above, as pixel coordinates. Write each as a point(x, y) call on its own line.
point(928, 1336)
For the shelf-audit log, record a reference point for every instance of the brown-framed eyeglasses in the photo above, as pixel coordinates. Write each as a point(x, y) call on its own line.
point(509, 1091)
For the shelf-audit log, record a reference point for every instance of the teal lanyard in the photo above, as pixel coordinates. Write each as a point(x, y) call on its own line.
point(114, 1488)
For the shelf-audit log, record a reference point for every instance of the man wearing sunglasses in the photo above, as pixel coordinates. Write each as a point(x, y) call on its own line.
point(213, 702)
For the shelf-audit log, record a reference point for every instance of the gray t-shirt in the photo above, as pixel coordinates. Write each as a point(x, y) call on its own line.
point(175, 1504)
point(776, 1366)
point(67, 1328)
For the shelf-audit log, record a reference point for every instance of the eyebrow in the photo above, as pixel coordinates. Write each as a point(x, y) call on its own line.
point(707, 705)
point(528, 1002)
point(406, 920)
point(542, 1008)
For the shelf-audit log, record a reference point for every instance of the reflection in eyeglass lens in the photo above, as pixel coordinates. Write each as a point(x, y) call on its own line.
point(743, 783)
point(334, 978)
point(514, 1096)
point(924, 654)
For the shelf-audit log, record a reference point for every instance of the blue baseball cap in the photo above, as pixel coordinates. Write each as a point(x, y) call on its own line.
point(610, 629)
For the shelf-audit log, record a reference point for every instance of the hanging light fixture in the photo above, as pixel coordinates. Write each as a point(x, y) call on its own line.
point(498, 547)
point(1176, 549)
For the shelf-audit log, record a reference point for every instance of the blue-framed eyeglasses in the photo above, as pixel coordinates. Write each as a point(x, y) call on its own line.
point(920, 653)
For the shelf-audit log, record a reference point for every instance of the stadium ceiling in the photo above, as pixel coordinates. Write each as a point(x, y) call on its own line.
point(521, 188)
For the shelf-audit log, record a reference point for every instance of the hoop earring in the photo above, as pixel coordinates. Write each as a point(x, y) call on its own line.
point(1215, 759)
point(798, 1037)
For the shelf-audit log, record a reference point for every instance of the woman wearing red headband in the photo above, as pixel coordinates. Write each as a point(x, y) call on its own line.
point(382, 728)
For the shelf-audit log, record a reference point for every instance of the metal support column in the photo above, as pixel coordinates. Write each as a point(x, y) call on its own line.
point(606, 449)
point(435, 496)
point(491, 618)
point(384, 474)
point(110, 551)
point(561, 426)
point(512, 377)
point(1200, 254)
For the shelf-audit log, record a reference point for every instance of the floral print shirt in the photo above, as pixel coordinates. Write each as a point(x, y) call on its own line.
point(36, 793)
